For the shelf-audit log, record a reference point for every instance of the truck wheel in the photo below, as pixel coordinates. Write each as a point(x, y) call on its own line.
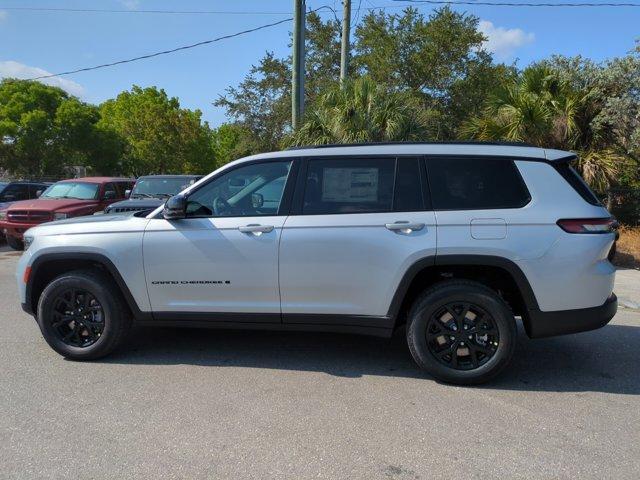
point(15, 243)
point(82, 315)
point(461, 332)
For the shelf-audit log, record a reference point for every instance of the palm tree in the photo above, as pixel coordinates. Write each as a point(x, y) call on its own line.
point(362, 111)
point(542, 108)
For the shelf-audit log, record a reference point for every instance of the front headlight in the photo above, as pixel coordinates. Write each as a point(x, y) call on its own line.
point(3, 214)
point(60, 216)
point(27, 240)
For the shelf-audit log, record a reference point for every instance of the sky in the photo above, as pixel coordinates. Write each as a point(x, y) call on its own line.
point(35, 43)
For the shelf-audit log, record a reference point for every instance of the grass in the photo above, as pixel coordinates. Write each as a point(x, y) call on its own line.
point(628, 248)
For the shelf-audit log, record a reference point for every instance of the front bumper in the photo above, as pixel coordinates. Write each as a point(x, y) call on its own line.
point(549, 324)
point(16, 230)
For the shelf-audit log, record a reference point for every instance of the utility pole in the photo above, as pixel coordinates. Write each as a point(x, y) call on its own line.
point(297, 72)
point(346, 30)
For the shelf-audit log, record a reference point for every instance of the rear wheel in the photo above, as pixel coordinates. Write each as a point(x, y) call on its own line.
point(461, 332)
point(82, 316)
point(15, 243)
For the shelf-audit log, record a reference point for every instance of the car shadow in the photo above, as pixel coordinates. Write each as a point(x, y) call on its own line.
point(605, 360)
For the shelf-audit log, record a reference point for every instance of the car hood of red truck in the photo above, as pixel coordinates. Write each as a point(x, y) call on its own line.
point(50, 205)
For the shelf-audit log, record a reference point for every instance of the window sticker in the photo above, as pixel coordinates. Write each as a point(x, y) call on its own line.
point(350, 185)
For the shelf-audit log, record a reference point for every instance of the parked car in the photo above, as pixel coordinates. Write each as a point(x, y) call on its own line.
point(151, 191)
point(11, 192)
point(65, 199)
point(450, 241)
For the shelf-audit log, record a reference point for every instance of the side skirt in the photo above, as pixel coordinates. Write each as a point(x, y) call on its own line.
point(360, 325)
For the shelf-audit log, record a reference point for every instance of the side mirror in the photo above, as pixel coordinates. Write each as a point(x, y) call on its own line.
point(175, 208)
point(109, 195)
point(127, 193)
point(38, 193)
point(257, 200)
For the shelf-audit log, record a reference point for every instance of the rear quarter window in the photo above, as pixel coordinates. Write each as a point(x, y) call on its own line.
point(475, 184)
point(574, 179)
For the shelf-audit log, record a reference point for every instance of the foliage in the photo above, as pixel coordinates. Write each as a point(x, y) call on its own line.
point(230, 142)
point(159, 135)
point(439, 60)
point(45, 131)
point(362, 111)
point(555, 104)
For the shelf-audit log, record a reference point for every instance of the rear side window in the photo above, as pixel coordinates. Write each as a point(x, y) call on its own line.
point(575, 180)
point(349, 186)
point(475, 184)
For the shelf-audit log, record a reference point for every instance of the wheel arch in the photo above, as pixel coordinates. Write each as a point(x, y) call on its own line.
point(498, 273)
point(48, 266)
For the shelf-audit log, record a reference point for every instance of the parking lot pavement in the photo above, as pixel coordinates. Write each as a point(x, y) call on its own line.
point(217, 404)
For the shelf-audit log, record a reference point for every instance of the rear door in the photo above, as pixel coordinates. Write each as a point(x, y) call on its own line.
point(356, 225)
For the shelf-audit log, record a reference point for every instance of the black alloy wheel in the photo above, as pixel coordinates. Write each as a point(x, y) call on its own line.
point(77, 318)
point(462, 336)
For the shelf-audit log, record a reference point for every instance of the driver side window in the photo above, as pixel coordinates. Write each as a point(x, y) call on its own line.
point(248, 191)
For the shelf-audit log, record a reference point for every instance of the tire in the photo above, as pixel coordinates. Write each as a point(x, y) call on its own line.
point(445, 351)
point(15, 243)
point(110, 324)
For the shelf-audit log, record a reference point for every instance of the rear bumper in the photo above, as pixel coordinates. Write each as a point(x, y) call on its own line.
point(548, 324)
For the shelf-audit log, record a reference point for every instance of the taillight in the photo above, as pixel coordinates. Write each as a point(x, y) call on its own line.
point(588, 225)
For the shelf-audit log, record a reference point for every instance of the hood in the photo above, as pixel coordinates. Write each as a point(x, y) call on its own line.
point(92, 219)
point(141, 203)
point(51, 205)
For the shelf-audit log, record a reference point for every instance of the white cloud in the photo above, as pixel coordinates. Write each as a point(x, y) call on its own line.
point(130, 4)
point(3, 15)
point(504, 41)
point(13, 69)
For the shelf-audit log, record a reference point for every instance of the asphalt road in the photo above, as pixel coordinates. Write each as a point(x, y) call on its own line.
point(216, 404)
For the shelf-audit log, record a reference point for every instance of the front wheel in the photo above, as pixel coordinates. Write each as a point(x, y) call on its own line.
point(461, 332)
point(82, 315)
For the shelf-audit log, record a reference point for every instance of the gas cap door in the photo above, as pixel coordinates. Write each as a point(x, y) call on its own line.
point(488, 228)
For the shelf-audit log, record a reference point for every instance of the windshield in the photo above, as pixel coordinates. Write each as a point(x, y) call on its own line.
point(162, 187)
point(78, 190)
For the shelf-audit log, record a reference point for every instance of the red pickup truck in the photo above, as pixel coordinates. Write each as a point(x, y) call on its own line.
point(65, 199)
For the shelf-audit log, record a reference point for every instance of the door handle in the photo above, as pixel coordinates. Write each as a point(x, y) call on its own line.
point(404, 227)
point(256, 229)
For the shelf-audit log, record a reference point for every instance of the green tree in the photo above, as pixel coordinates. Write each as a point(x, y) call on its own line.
point(439, 60)
point(232, 141)
point(261, 103)
point(362, 111)
point(44, 131)
point(159, 135)
point(548, 107)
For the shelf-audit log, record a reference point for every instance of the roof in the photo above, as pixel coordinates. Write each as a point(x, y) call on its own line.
point(98, 179)
point(496, 149)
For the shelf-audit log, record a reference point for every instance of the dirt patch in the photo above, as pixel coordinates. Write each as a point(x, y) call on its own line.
point(628, 248)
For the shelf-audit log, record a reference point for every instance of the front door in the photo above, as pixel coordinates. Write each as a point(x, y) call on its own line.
point(222, 258)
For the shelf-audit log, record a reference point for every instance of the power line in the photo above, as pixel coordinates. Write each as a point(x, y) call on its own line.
point(114, 10)
point(164, 52)
point(512, 4)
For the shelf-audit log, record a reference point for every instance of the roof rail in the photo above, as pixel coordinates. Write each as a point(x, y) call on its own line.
point(373, 144)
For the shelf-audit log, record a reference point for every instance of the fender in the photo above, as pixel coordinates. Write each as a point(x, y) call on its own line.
point(40, 263)
point(477, 260)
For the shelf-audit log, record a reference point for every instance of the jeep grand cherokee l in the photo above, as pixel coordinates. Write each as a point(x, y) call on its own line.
point(451, 241)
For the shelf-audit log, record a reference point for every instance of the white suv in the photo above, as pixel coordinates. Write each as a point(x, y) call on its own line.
point(452, 241)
